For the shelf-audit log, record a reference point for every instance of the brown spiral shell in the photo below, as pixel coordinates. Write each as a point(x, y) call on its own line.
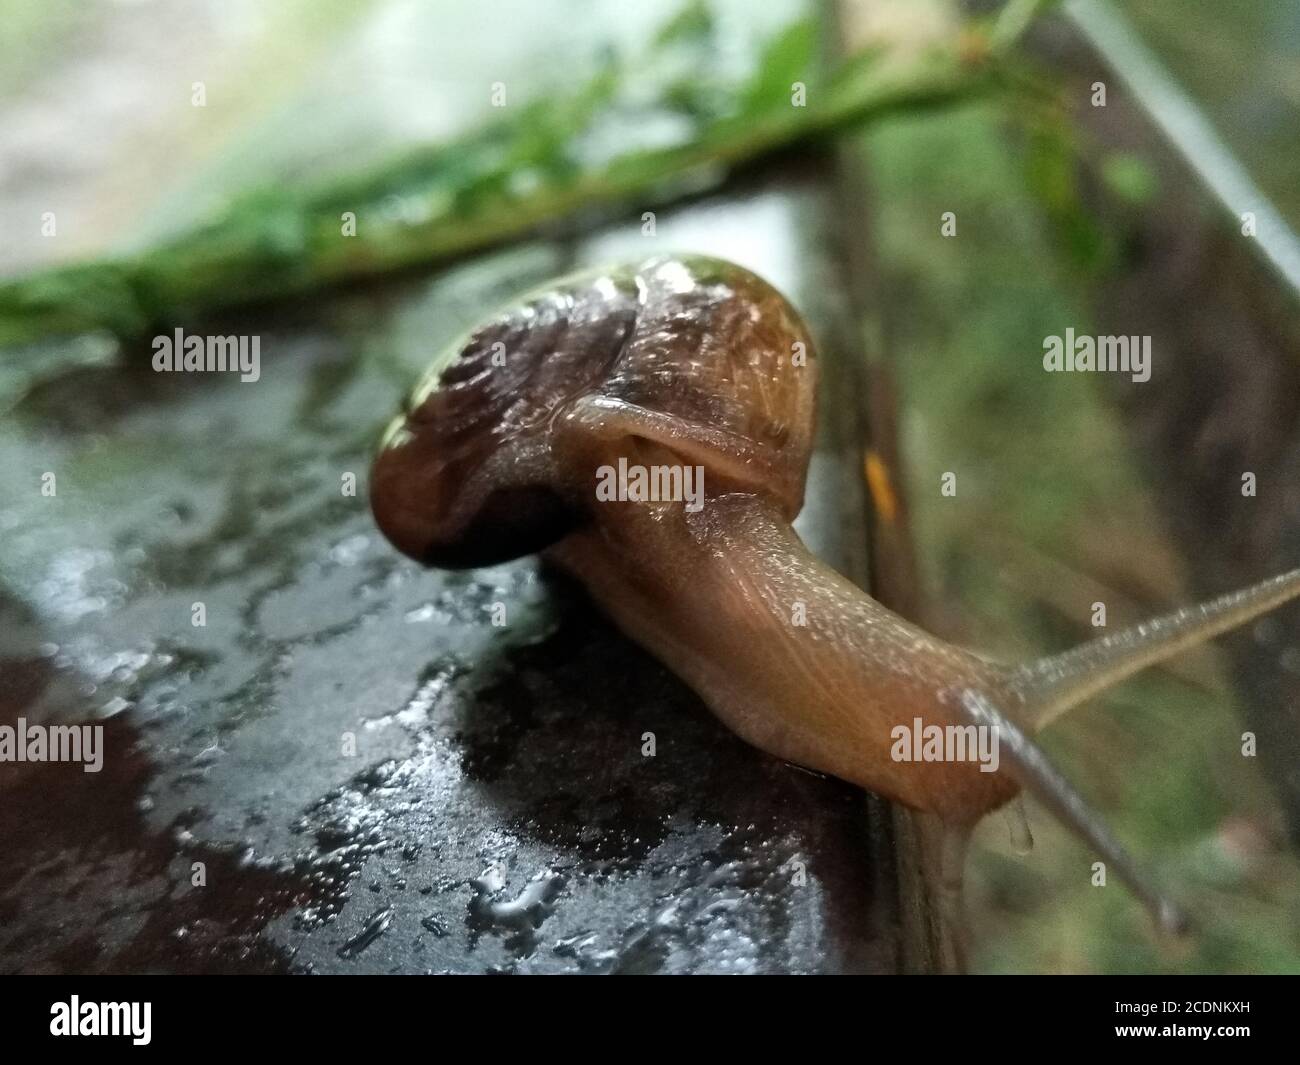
point(695, 354)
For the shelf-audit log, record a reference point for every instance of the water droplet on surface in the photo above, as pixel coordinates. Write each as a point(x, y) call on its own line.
point(376, 925)
point(520, 917)
point(1022, 840)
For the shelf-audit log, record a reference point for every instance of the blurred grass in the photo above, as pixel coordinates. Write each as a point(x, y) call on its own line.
point(648, 129)
point(1240, 59)
point(31, 32)
point(1050, 508)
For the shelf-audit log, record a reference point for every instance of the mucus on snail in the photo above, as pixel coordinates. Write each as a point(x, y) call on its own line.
point(687, 361)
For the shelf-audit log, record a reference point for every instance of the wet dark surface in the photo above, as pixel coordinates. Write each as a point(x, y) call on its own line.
point(355, 764)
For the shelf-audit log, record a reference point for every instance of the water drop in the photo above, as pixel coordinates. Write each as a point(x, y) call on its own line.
point(376, 925)
point(1022, 840)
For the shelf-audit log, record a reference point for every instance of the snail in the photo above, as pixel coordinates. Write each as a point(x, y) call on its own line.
point(690, 363)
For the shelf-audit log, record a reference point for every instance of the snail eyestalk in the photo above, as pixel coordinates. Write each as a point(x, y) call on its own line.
point(1052, 685)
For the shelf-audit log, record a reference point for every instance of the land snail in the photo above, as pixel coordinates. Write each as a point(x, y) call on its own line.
point(687, 363)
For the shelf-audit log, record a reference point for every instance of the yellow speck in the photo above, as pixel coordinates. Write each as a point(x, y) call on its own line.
point(881, 488)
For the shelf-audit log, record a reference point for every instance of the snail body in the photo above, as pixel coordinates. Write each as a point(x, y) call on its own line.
point(677, 362)
point(831, 692)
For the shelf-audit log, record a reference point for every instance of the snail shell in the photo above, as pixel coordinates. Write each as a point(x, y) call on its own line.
point(693, 353)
